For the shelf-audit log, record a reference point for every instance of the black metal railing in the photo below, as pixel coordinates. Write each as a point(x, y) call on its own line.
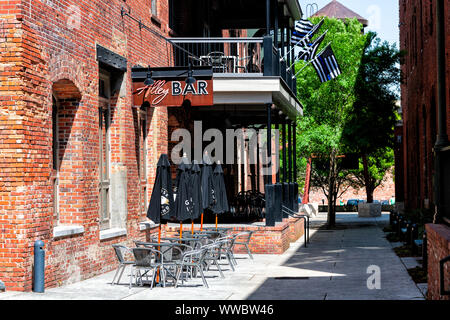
point(234, 56)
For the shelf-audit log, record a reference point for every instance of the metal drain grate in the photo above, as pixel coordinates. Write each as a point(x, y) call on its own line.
point(291, 278)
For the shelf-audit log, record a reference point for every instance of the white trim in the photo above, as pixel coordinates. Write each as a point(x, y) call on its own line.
point(68, 230)
point(256, 91)
point(147, 225)
point(112, 233)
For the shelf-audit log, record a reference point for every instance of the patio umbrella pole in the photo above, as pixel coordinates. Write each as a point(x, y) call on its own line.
point(159, 248)
point(181, 230)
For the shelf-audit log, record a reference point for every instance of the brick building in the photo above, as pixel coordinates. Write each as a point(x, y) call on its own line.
point(52, 89)
point(77, 156)
point(416, 135)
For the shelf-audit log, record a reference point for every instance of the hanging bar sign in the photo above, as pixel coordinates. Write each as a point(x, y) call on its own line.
point(174, 93)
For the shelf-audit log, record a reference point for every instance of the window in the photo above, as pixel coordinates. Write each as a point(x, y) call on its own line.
point(55, 147)
point(104, 151)
point(154, 8)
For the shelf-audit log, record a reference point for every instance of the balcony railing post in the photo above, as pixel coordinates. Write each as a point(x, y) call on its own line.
point(276, 57)
point(284, 72)
point(268, 56)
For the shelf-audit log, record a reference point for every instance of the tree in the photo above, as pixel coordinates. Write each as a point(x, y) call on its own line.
point(370, 127)
point(372, 171)
point(328, 105)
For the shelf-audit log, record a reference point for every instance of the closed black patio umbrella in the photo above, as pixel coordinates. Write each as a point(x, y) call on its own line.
point(196, 191)
point(208, 197)
point(221, 204)
point(183, 200)
point(161, 203)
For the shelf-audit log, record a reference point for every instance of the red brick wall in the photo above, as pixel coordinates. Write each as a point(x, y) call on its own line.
point(42, 43)
point(264, 240)
point(384, 192)
point(419, 96)
point(296, 228)
point(438, 247)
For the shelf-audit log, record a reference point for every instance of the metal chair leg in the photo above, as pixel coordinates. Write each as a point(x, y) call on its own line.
point(203, 277)
point(121, 273)
point(220, 269)
point(115, 275)
point(131, 276)
point(248, 251)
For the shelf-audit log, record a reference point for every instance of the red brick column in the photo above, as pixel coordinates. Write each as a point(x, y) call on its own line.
point(438, 248)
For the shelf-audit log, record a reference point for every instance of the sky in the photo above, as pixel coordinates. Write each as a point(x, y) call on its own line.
point(383, 15)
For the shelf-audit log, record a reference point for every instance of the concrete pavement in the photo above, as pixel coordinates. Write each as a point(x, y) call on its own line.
point(334, 266)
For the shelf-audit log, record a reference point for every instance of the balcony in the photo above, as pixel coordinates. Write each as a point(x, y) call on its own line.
point(235, 57)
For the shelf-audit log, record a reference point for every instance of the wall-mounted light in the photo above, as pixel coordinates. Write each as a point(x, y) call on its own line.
point(149, 80)
point(190, 78)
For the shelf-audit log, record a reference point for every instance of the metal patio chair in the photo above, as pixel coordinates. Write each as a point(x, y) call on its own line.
point(147, 259)
point(192, 260)
point(213, 256)
point(216, 59)
point(121, 252)
point(225, 250)
point(245, 242)
point(171, 251)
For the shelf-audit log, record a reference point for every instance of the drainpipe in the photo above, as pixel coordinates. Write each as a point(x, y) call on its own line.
point(290, 149)
point(269, 141)
point(442, 138)
point(295, 150)
point(284, 152)
point(277, 127)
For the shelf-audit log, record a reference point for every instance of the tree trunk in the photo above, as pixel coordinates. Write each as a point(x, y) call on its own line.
point(367, 181)
point(331, 220)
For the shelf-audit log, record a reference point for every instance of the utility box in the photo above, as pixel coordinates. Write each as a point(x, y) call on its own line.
point(369, 210)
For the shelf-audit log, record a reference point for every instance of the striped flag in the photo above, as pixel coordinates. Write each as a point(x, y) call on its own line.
point(309, 53)
point(302, 28)
point(304, 32)
point(326, 65)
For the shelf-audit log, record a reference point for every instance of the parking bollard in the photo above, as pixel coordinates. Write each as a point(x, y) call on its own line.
point(39, 266)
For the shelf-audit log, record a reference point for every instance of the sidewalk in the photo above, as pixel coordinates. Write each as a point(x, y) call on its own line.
point(332, 267)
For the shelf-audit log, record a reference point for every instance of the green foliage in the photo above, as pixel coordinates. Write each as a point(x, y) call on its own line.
point(379, 163)
point(370, 126)
point(369, 130)
point(327, 105)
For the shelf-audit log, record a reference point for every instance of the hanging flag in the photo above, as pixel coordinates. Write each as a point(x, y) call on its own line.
point(301, 29)
point(326, 65)
point(304, 32)
point(310, 52)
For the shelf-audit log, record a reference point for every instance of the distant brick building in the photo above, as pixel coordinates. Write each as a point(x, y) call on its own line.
point(383, 192)
point(415, 160)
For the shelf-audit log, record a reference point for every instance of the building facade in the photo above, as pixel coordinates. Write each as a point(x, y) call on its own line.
point(415, 157)
point(77, 155)
point(70, 175)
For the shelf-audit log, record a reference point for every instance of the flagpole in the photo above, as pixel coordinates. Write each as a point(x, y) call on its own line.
point(289, 69)
point(293, 77)
point(312, 30)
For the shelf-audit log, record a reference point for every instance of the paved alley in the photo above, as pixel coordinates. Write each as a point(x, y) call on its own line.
point(336, 265)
